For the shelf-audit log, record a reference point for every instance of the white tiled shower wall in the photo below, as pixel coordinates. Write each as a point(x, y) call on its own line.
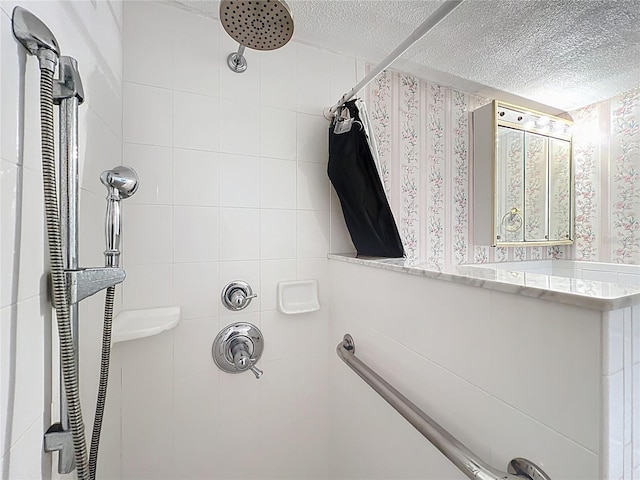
point(621, 393)
point(233, 186)
point(91, 33)
point(507, 375)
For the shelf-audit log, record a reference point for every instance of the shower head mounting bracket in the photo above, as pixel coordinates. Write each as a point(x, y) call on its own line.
point(236, 60)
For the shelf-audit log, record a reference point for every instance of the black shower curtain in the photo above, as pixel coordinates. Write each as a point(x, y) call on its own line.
point(354, 175)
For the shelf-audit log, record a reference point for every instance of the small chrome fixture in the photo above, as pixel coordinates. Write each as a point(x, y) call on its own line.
point(259, 25)
point(237, 348)
point(237, 295)
point(121, 183)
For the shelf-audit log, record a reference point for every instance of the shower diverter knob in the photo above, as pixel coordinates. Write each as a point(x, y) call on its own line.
point(237, 295)
point(237, 348)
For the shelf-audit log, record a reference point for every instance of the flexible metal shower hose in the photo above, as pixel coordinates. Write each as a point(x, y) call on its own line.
point(58, 280)
point(104, 381)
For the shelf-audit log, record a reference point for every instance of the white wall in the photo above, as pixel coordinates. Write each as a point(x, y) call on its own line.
point(233, 186)
point(621, 394)
point(507, 375)
point(90, 32)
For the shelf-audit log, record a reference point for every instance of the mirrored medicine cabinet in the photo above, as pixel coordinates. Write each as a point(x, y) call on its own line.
point(522, 174)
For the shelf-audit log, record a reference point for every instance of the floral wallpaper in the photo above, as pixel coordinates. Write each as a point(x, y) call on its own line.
point(606, 149)
point(559, 188)
point(423, 135)
point(535, 186)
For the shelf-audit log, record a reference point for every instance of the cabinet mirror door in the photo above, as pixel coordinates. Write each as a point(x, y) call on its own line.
point(535, 187)
point(509, 193)
point(559, 189)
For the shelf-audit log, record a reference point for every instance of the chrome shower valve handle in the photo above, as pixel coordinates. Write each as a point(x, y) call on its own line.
point(237, 295)
point(237, 348)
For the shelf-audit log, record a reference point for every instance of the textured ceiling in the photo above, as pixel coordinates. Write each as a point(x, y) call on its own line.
point(561, 53)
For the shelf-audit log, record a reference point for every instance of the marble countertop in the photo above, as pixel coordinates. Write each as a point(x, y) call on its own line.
point(573, 291)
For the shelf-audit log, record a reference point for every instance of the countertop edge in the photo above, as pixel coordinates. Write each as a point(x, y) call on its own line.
point(457, 274)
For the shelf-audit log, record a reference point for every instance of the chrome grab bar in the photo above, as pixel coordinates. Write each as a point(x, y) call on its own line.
point(456, 452)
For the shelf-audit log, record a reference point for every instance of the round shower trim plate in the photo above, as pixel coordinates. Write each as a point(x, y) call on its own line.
point(236, 62)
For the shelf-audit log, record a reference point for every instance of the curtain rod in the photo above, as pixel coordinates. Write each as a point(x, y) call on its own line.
point(436, 17)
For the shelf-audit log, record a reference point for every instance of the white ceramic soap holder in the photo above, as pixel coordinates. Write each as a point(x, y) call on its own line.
point(300, 296)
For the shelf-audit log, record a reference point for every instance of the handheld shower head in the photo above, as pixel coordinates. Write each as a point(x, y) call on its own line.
point(121, 181)
point(36, 37)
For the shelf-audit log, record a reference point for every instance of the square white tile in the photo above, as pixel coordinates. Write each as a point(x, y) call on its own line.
point(277, 133)
point(313, 139)
point(147, 394)
point(313, 80)
point(147, 115)
point(100, 149)
point(196, 121)
point(279, 80)
point(10, 198)
point(154, 167)
point(196, 290)
point(192, 71)
point(280, 333)
point(29, 256)
point(22, 354)
point(147, 41)
point(239, 234)
point(340, 237)
point(312, 234)
point(277, 234)
point(147, 234)
point(147, 286)
point(343, 75)
point(316, 269)
point(195, 420)
point(277, 183)
point(239, 128)
point(196, 234)
point(239, 181)
point(10, 95)
point(612, 341)
point(313, 186)
point(192, 340)
point(196, 178)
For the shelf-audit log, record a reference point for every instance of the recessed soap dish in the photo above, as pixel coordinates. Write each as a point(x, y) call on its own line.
point(299, 296)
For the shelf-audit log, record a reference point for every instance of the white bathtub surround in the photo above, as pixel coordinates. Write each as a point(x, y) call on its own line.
point(554, 381)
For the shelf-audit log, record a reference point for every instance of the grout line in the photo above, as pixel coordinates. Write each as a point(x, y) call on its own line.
point(489, 394)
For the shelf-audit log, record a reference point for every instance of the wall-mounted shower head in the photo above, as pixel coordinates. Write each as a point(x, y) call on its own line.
point(121, 182)
point(36, 37)
point(255, 24)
